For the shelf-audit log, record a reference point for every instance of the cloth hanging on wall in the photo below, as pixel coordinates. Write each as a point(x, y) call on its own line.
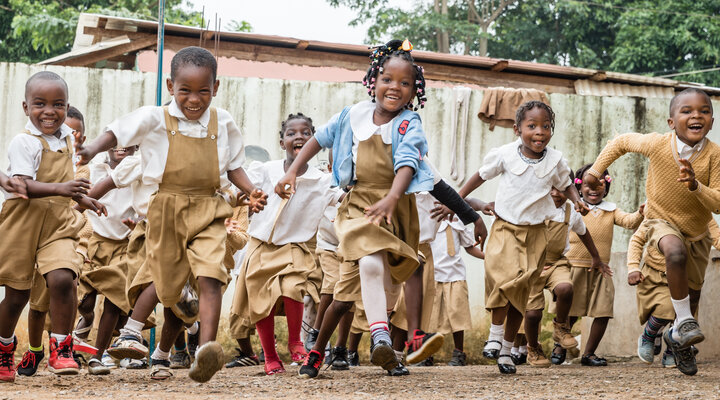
point(499, 104)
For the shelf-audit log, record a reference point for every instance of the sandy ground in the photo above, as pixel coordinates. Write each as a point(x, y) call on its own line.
point(619, 380)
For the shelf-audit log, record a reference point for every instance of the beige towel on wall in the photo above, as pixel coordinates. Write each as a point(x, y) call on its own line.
point(500, 104)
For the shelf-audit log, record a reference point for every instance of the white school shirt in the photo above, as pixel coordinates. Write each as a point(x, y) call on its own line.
point(576, 223)
point(326, 236)
point(118, 202)
point(450, 268)
point(129, 174)
point(685, 150)
point(523, 196)
point(428, 225)
point(146, 127)
point(363, 127)
point(25, 152)
point(298, 220)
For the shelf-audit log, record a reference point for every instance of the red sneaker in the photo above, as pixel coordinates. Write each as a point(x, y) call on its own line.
point(7, 361)
point(61, 361)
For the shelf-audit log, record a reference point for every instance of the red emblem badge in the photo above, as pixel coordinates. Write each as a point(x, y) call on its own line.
point(403, 127)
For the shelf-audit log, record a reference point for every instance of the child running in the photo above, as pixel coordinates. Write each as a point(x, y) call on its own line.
point(277, 262)
point(593, 290)
point(556, 277)
point(683, 189)
point(42, 232)
point(515, 254)
point(185, 148)
point(451, 309)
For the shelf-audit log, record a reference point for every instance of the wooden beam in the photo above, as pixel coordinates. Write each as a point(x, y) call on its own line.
point(499, 66)
point(302, 45)
point(105, 54)
point(112, 33)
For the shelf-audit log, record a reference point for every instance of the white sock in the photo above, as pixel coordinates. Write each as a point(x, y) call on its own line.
point(160, 355)
point(7, 341)
point(193, 329)
point(132, 328)
point(515, 351)
point(682, 309)
point(523, 350)
point(496, 335)
point(58, 337)
point(399, 355)
point(505, 349)
point(379, 331)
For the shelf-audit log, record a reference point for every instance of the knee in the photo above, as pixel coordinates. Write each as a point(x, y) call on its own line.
point(674, 251)
point(341, 307)
point(533, 316)
point(564, 292)
point(209, 286)
point(61, 281)
point(370, 267)
point(86, 306)
point(17, 300)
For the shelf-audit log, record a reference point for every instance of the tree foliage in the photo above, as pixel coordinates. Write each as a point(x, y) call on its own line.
point(634, 36)
point(34, 30)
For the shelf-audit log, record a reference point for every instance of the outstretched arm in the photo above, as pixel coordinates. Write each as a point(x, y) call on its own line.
point(286, 185)
point(104, 142)
point(257, 199)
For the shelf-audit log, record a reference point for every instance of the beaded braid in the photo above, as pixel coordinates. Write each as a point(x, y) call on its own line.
point(395, 48)
point(296, 116)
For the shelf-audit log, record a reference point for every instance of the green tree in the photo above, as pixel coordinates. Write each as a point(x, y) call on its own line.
point(633, 36)
point(35, 30)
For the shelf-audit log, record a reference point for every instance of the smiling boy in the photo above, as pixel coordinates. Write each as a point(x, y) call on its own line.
point(185, 148)
point(683, 189)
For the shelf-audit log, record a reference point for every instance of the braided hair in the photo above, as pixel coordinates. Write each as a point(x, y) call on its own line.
point(581, 173)
point(296, 116)
point(527, 106)
point(378, 57)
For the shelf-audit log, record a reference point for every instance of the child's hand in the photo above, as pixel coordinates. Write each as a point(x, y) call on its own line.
point(597, 264)
point(687, 174)
point(635, 277)
point(641, 209)
point(83, 154)
point(488, 208)
point(74, 188)
point(88, 203)
point(257, 200)
point(15, 185)
point(130, 223)
point(286, 186)
point(480, 234)
point(383, 209)
point(441, 212)
point(581, 207)
point(231, 225)
point(242, 199)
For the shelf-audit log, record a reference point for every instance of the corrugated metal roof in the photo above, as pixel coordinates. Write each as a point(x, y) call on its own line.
point(592, 88)
point(117, 25)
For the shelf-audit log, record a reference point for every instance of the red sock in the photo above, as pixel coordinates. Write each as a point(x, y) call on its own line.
point(266, 332)
point(294, 313)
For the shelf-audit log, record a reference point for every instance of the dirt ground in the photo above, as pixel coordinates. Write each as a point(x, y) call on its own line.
point(617, 381)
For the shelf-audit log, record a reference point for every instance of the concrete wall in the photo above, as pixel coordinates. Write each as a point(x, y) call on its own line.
point(584, 125)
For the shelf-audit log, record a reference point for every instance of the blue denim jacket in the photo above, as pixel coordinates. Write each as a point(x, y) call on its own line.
point(409, 146)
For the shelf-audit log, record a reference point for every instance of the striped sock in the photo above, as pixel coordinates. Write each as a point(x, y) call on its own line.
point(652, 327)
point(380, 331)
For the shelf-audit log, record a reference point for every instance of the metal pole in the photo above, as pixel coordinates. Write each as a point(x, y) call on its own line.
point(158, 96)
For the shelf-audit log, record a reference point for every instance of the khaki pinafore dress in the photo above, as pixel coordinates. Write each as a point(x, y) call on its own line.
point(186, 233)
point(557, 266)
point(358, 237)
point(107, 271)
point(40, 231)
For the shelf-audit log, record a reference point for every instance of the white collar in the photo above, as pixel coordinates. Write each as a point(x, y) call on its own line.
point(176, 112)
point(682, 146)
point(64, 130)
point(517, 166)
point(604, 205)
point(362, 125)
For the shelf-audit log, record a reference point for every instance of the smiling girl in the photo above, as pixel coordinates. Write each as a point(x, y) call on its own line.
point(515, 254)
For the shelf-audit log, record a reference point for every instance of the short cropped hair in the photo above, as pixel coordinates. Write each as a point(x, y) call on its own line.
point(75, 114)
point(44, 76)
point(673, 102)
point(196, 56)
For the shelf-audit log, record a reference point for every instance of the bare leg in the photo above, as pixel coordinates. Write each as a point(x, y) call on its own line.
point(532, 327)
point(325, 300)
point(108, 320)
point(459, 340)
point(332, 318)
point(63, 298)
point(210, 306)
point(413, 301)
point(344, 329)
point(675, 259)
point(596, 334)
point(36, 327)
point(10, 309)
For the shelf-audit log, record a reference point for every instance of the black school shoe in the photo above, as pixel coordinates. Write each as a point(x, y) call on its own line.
point(459, 359)
point(399, 370)
point(558, 358)
point(311, 366)
point(492, 354)
point(506, 367)
point(30, 362)
point(519, 359)
point(353, 359)
point(339, 359)
point(684, 358)
point(591, 360)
